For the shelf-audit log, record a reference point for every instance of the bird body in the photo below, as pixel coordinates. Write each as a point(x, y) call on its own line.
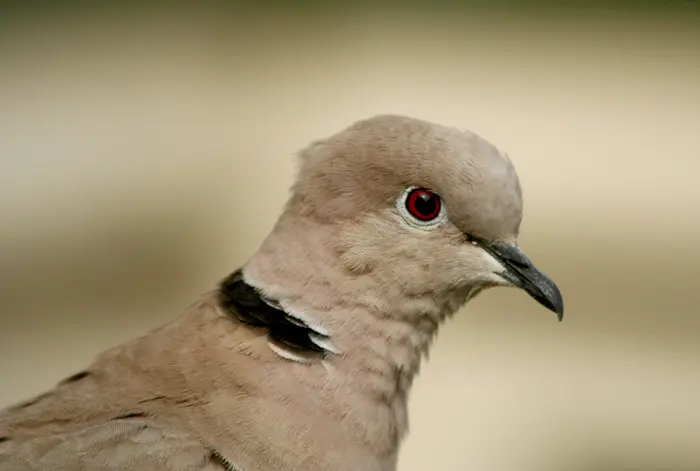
point(303, 358)
point(173, 400)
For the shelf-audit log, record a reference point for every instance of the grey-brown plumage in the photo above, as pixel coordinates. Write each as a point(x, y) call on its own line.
point(303, 359)
point(129, 443)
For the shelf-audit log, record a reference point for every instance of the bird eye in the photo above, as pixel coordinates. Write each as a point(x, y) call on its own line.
point(421, 207)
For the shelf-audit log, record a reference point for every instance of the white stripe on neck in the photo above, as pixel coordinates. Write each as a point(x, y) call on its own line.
point(296, 316)
point(287, 354)
point(289, 308)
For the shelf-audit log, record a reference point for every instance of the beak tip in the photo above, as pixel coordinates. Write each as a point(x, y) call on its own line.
point(556, 304)
point(549, 296)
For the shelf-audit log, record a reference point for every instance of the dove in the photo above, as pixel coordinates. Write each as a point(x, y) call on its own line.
point(303, 357)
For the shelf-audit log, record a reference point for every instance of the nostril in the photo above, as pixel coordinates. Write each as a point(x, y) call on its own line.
point(471, 239)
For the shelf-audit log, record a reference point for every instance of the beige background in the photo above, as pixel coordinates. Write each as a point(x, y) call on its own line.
point(145, 156)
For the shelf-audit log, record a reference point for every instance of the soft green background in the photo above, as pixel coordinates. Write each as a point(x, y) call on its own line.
point(146, 150)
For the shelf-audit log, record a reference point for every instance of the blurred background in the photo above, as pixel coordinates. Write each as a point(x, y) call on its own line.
point(146, 150)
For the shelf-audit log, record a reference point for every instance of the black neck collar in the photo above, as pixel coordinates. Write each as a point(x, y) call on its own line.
point(245, 303)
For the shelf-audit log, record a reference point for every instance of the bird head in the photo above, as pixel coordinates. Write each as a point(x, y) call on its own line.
point(420, 208)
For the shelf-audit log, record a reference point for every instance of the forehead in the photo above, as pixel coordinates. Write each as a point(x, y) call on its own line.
point(369, 163)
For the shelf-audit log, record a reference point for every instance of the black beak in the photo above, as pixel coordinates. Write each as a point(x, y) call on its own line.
point(522, 273)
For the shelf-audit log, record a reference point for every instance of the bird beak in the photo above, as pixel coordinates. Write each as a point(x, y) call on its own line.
point(523, 274)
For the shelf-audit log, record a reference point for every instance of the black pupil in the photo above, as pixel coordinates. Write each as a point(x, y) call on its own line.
point(425, 203)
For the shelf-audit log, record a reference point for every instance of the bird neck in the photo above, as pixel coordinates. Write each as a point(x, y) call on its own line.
point(378, 333)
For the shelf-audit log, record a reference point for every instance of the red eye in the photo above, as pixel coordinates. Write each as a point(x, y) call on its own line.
point(423, 204)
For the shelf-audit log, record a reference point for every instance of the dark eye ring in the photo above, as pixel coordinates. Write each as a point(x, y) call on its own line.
point(421, 207)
